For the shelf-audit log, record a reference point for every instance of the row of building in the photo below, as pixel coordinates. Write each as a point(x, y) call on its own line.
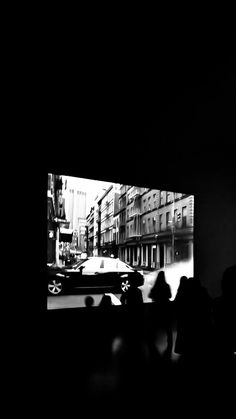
point(142, 226)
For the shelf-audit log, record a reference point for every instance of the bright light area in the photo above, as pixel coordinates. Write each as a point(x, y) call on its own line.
point(93, 188)
point(174, 272)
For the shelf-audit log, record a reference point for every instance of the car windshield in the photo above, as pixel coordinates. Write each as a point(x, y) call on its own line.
point(77, 264)
point(123, 265)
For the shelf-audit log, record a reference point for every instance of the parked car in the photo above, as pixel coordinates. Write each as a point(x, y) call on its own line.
point(94, 272)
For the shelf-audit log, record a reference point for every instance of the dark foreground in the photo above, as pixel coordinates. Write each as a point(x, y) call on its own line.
point(102, 360)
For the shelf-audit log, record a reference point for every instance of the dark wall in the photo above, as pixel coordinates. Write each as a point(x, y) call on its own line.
point(215, 241)
point(156, 110)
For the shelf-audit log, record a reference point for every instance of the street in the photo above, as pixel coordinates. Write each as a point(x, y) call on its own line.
point(77, 299)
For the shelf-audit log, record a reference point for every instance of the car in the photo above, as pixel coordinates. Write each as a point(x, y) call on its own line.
point(94, 272)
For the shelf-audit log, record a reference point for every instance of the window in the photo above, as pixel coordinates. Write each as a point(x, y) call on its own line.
point(122, 267)
point(144, 254)
point(184, 216)
point(175, 216)
point(144, 226)
point(154, 254)
point(168, 223)
point(162, 196)
point(91, 266)
point(168, 197)
point(154, 223)
point(144, 205)
point(110, 265)
point(161, 221)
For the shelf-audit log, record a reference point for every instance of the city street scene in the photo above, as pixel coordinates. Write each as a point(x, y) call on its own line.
point(106, 241)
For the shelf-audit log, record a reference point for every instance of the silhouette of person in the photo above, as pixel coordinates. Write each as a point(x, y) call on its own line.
point(160, 314)
point(224, 314)
point(132, 300)
point(180, 302)
point(130, 359)
point(105, 301)
point(132, 297)
point(160, 291)
point(181, 290)
point(89, 301)
point(194, 319)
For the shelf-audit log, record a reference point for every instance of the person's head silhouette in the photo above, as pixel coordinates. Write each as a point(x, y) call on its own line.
point(105, 301)
point(132, 297)
point(182, 280)
point(182, 286)
point(89, 301)
point(161, 278)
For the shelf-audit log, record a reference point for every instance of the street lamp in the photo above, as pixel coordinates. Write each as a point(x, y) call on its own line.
point(173, 230)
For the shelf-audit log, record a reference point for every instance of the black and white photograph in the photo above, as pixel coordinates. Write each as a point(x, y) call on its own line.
point(104, 239)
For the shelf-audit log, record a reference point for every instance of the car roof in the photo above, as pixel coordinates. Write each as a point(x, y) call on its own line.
point(102, 257)
point(106, 257)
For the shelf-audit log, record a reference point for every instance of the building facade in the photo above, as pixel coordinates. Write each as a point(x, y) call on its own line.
point(102, 224)
point(143, 227)
point(75, 208)
point(90, 232)
point(167, 223)
point(57, 225)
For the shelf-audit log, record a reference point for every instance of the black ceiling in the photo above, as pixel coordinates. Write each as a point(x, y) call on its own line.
point(122, 107)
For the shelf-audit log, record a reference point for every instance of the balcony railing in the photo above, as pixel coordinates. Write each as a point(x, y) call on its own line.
point(135, 192)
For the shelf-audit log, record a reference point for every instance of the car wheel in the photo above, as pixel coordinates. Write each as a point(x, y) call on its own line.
point(125, 285)
point(55, 286)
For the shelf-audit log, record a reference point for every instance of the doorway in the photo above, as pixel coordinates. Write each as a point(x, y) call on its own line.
point(161, 255)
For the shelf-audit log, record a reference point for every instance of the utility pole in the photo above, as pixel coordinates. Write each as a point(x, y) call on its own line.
point(173, 229)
